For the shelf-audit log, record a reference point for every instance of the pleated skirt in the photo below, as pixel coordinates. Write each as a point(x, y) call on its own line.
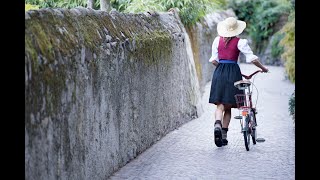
point(223, 90)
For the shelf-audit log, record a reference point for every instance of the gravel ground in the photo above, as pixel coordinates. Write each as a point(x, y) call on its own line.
point(190, 153)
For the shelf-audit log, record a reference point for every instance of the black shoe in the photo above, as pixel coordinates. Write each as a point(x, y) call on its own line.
point(224, 142)
point(224, 136)
point(217, 134)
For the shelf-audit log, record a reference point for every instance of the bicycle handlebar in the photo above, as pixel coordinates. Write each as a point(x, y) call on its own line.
point(250, 76)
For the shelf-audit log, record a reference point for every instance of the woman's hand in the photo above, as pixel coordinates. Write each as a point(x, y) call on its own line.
point(214, 62)
point(259, 65)
point(265, 70)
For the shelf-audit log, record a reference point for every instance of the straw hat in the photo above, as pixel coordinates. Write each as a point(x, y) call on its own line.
point(230, 27)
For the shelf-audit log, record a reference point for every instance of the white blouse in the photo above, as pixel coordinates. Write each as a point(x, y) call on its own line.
point(243, 46)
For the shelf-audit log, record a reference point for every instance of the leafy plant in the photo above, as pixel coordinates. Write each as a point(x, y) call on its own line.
point(30, 7)
point(57, 3)
point(72, 3)
point(189, 15)
point(288, 42)
point(48, 3)
point(260, 16)
point(276, 48)
point(136, 6)
point(191, 11)
point(33, 2)
point(292, 104)
point(120, 5)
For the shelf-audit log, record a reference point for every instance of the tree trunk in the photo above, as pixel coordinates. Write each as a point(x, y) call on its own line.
point(90, 4)
point(105, 5)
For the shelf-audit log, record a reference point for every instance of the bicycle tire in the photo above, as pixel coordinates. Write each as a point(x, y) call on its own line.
point(254, 135)
point(254, 129)
point(246, 137)
point(246, 134)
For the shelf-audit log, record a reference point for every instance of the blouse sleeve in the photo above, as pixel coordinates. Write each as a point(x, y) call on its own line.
point(244, 47)
point(214, 49)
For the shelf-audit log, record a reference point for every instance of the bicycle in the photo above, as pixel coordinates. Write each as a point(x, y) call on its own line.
point(247, 113)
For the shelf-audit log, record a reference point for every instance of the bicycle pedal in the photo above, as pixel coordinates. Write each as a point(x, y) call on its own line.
point(260, 140)
point(238, 117)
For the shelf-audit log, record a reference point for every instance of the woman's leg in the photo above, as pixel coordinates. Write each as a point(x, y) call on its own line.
point(219, 112)
point(218, 125)
point(226, 117)
point(225, 124)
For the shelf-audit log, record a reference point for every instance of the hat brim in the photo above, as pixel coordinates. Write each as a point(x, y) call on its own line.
point(222, 30)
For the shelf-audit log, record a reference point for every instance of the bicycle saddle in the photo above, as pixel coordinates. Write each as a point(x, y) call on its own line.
point(242, 84)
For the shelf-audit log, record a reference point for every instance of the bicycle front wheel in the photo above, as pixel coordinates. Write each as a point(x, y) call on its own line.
point(254, 135)
point(254, 128)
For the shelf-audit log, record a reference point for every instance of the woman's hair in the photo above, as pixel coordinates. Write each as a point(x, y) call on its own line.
point(227, 40)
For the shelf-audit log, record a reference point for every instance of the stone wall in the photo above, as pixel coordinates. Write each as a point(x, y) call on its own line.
point(101, 88)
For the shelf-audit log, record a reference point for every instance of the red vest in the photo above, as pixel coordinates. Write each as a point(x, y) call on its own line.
point(231, 51)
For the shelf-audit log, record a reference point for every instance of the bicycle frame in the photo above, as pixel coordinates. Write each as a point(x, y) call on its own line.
point(246, 109)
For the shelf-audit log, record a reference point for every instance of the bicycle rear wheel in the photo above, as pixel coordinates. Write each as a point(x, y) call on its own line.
point(246, 134)
point(246, 137)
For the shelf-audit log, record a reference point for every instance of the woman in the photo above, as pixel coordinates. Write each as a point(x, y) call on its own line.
point(225, 53)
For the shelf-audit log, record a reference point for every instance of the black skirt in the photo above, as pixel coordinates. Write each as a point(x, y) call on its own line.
point(222, 84)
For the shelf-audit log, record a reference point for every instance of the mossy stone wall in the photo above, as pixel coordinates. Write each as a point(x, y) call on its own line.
point(100, 88)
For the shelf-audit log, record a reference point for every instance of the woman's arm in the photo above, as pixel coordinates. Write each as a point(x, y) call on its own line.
point(214, 48)
point(259, 65)
point(250, 57)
